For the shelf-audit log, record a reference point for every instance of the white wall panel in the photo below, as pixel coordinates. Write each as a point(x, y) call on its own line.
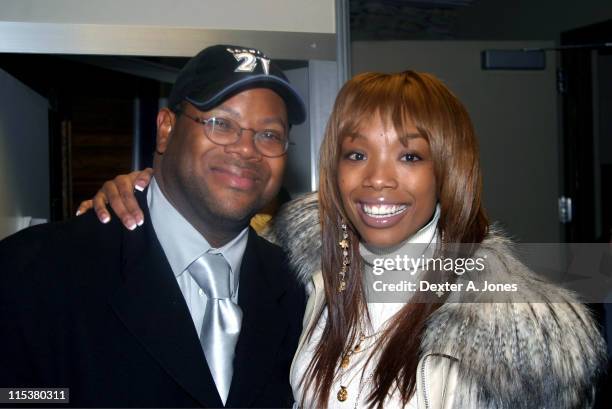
point(313, 16)
point(24, 156)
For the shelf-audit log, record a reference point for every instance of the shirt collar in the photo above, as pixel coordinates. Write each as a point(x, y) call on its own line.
point(182, 243)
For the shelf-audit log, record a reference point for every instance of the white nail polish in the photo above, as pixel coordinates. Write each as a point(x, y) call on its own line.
point(106, 219)
point(132, 227)
point(139, 188)
point(140, 223)
point(78, 212)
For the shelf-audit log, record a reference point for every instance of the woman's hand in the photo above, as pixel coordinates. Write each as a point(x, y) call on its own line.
point(119, 193)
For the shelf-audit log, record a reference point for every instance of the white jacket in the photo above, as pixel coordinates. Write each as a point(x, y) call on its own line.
point(436, 374)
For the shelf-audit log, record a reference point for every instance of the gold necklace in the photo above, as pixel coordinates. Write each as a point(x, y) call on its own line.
point(342, 394)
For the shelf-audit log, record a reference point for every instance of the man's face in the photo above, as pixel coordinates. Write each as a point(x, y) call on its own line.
point(222, 186)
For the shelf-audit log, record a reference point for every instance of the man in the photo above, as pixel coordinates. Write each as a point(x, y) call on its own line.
point(192, 309)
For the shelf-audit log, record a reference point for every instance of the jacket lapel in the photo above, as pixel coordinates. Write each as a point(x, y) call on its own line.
point(152, 307)
point(264, 323)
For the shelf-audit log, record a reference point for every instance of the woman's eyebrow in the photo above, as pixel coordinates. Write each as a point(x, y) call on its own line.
point(411, 135)
point(355, 135)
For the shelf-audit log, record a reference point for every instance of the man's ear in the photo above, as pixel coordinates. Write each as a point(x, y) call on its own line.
point(165, 123)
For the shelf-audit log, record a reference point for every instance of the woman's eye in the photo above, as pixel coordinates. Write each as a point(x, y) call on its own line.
point(355, 156)
point(410, 157)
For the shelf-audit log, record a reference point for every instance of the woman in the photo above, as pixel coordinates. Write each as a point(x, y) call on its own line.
point(399, 166)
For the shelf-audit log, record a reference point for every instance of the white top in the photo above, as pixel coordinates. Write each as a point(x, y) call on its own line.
point(357, 378)
point(183, 244)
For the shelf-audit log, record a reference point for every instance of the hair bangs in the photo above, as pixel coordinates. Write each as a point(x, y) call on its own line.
point(374, 95)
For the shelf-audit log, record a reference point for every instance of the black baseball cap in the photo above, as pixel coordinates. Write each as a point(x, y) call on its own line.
point(221, 71)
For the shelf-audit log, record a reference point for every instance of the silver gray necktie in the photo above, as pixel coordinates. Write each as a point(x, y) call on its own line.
point(222, 318)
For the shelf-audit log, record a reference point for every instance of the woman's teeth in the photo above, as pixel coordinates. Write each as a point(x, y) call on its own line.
point(383, 210)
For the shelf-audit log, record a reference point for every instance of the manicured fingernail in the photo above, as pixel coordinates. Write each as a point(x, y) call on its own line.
point(78, 213)
point(105, 218)
point(140, 222)
point(129, 223)
point(139, 188)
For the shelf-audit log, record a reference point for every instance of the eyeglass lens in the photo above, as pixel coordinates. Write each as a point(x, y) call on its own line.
point(225, 131)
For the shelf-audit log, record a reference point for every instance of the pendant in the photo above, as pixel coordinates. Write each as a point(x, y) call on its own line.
point(345, 362)
point(342, 394)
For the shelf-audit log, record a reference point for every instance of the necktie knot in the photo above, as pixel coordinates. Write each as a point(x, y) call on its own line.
point(212, 273)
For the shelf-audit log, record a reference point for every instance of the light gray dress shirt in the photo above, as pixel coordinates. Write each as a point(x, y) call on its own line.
point(183, 244)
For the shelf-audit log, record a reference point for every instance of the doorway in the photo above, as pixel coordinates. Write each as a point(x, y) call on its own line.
point(586, 87)
point(95, 114)
point(585, 83)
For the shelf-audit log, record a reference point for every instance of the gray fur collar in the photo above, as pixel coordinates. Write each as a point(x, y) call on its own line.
point(297, 230)
point(511, 355)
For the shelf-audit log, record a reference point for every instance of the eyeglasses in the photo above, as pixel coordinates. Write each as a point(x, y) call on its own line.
point(226, 131)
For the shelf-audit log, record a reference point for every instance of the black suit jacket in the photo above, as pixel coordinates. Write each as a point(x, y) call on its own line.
point(97, 309)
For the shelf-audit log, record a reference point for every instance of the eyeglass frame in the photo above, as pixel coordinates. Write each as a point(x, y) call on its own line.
point(204, 121)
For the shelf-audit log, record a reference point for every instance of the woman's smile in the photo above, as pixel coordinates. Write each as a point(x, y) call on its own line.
point(381, 215)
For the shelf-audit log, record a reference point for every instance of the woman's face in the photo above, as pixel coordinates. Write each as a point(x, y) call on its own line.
point(388, 189)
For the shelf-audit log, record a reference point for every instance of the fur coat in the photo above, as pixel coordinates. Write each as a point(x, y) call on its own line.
point(510, 355)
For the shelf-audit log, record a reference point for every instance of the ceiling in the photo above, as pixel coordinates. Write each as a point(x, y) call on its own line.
point(404, 19)
point(511, 20)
